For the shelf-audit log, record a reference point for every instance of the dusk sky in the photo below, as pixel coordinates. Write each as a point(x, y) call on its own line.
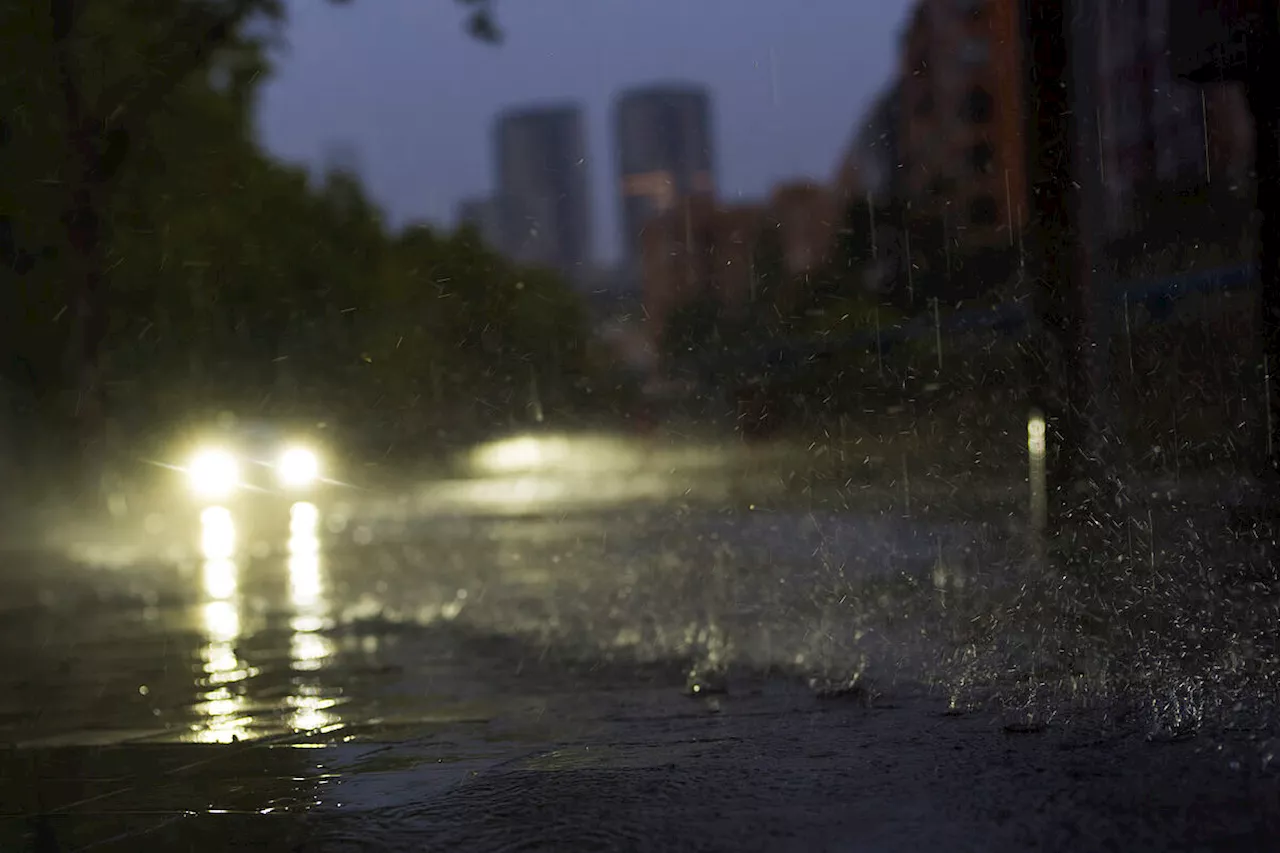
point(400, 82)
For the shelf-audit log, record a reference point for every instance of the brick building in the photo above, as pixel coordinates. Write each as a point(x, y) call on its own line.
point(702, 247)
point(697, 247)
point(961, 134)
point(806, 215)
point(956, 150)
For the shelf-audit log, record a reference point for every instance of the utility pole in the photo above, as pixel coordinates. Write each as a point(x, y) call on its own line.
point(1264, 101)
point(1059, 356)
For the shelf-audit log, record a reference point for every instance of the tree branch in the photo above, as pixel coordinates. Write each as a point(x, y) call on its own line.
point(192, 42)
point(481, 23)
point(63, 13)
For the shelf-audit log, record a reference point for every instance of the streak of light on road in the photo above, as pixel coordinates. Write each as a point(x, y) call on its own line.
point(309, 648)
point(221, 676)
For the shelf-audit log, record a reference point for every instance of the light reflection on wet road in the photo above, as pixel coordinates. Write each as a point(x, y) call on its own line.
point(329, 620)
point(480, 634)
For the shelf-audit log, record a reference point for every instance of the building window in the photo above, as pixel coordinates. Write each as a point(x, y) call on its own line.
point(979, 106)
point(983, 211)
point(982, 158)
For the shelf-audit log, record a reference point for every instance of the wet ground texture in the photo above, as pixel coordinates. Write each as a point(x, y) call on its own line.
point(531, 670)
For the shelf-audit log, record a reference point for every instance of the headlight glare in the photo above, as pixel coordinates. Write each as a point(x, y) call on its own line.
point(298, 467)
point(213, 474)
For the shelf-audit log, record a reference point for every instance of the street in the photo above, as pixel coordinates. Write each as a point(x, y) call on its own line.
point(558, 658)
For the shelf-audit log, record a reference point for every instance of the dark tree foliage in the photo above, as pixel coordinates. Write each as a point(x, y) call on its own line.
point(693, 329)
point(154, 260)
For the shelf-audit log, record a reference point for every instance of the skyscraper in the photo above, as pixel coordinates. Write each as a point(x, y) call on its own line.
point(664, 154)
point(541, 162)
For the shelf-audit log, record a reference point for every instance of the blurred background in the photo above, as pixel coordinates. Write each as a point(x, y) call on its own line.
point(617, 217)
point(927, 338)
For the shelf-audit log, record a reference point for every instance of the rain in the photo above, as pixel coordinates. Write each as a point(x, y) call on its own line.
point(706, 429)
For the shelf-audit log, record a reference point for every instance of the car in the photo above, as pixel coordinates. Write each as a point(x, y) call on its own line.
point(253, 465)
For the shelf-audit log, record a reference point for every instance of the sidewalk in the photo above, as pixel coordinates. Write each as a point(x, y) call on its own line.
point(766, 767)
point(776, 770)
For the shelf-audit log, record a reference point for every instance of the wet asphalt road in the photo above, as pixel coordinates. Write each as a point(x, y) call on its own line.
point(502, 663)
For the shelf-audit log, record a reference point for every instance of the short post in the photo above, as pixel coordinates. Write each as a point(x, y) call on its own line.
point(1037, 445)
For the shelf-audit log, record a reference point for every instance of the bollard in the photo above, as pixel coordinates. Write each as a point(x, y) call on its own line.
point(1037, 444)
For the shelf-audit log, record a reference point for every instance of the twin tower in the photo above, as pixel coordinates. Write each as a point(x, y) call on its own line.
point(541, 211)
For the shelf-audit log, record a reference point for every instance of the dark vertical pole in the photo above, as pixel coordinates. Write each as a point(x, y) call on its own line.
point(1263, 89)
point(1058, 360)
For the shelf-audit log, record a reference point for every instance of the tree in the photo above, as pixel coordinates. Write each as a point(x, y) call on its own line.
point(114, 69)
point(1061, 360)
point(691, 330)
point(238, 282)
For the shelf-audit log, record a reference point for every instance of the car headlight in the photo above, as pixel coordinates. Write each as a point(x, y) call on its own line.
point(298, 467)
point(213, 474)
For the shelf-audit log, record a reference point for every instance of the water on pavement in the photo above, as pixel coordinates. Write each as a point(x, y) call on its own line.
point(466, 636)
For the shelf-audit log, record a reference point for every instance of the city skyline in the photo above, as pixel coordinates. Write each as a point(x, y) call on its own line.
point(538, 209)
point(788, 88)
